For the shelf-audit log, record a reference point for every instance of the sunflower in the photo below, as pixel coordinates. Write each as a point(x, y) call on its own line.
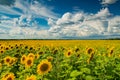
point(2, 51)
point(23, 59)
point(78, 55)
point(68, 53)
point(13, 61)
point(7, 60)
point(55, 51)
point(31, 55)
point(37, 56)
point(41, 53)
point(1, 47)
point(76, 49)
point(44, 67)
point(49, 58)
point(32, 77)
point(28, 62)
point(111, 52)
point(89, 50)
point(9, 76)
point(6, 47)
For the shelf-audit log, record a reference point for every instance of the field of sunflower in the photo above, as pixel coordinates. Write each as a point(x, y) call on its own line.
point(60, 60)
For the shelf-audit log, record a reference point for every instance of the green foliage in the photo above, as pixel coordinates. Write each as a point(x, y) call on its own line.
point(78, 66)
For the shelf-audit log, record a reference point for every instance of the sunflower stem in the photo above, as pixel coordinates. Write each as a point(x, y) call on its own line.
point(42, 77)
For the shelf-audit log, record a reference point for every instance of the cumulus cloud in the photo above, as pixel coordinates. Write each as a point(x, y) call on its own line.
point(81, 25)
point(114, 25)
point(70, 25)
point(108, 1)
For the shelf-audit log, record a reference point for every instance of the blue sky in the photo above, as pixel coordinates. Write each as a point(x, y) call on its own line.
point(58, 19)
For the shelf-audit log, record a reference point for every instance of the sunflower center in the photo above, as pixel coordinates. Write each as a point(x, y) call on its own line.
point(69, 53)
point(40, 53)
point(9, 78)
point(7, 48)
point(89, 51)
point(44, 67)
point(1, 51)
point(23, 58)
point(7, 60)
point(29, 62)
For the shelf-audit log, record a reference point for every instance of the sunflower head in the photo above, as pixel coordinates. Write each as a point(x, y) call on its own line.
point(41, 52)
point(111, 51)
point(68, 53)
point(77, 49)
point(2, 51)
point(13, 61)
point(37, 56)
point(32, 77)
point(78, 55)
point(9, 76)
point(28, 62)
point(6, 47)
point(44, 67)
point(23, 59)
point(89, 50)
point(31, 55)
point(55, 51)
point(49, 58)
point(7, 60)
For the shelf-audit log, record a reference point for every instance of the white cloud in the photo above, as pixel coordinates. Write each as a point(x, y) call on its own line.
point(103, 13)
point(8, 10)
point(114, 25)
point(85, 25)
point(28, 11)
point(71, 25)
point(105, 2)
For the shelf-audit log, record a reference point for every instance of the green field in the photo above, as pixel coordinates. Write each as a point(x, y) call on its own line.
point(59, 60)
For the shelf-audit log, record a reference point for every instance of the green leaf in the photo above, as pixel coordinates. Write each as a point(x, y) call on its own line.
point(75, 73)
point(86, 70)
point(72, 78)
point(88, 78)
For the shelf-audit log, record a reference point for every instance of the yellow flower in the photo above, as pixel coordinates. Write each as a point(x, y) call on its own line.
point(2, 51)
point(28, 62)
point(7, 60)
point(37, 56)
point(13, 61)
point(78, 55)
point(111, 52)
point(44, 67)
point(23, 59)
point(49, 58)
point(89, 50)
point(6, 47)
point(68, 53)
point(55, 51)
point(41, 53)
point(32, 77)
point(76, 49)
point(9, 76)
point(31, 55)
